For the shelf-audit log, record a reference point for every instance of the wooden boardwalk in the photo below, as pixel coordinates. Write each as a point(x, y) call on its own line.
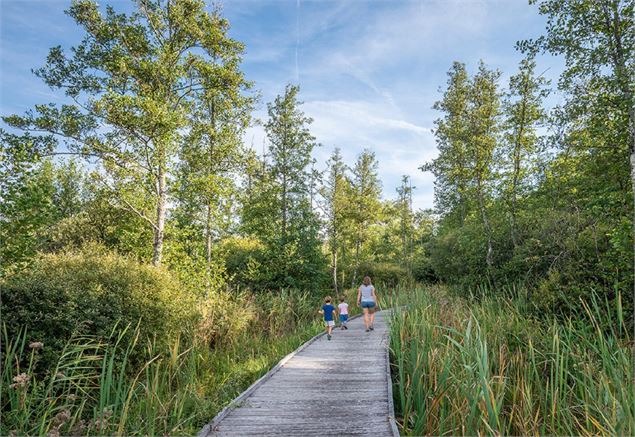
point(337, 387)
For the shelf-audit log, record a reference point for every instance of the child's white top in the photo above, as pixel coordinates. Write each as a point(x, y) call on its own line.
point(343, 308)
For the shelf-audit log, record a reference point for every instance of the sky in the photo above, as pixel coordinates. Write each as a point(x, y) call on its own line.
point(369, 71)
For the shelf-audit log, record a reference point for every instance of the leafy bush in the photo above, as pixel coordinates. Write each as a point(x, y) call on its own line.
point(562, 256)
point(423, 270)
point(384, 274)
point(259, 266)
point(89, 292)
point(244, 261)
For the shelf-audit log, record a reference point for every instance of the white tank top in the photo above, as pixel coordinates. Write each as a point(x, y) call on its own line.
point(367, 293)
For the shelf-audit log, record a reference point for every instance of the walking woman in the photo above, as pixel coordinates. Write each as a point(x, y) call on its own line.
point(367, 298)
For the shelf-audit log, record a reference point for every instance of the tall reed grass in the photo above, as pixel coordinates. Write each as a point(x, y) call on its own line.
point(94, 388)
point(468, 367)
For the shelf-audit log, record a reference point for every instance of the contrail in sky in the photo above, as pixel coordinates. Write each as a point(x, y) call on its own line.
point(297, 39)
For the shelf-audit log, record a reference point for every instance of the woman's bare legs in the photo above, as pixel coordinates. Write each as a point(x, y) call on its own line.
point(366, 318)
point(372, 317)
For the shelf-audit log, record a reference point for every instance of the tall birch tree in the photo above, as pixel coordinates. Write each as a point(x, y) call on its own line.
point(134, 82)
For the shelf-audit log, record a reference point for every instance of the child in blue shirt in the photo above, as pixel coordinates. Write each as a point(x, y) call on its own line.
point(329, 311)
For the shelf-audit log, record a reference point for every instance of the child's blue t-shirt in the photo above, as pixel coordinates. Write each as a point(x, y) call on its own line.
point(328, 312)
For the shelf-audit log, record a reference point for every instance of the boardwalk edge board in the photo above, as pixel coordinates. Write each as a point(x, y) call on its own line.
point(207, 430)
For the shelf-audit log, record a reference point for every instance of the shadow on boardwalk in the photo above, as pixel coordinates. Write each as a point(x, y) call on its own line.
point(337, 387)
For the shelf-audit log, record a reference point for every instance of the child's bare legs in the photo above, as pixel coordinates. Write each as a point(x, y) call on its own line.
point(329, 330)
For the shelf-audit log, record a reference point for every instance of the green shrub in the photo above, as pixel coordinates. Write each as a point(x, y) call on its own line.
point(245, 262)
point(384, 274)
point(89, 292)
point(563, 257)
point(423, 270)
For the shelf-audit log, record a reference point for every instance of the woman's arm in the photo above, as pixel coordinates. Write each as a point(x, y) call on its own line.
point(359, 296)
point(374, 294)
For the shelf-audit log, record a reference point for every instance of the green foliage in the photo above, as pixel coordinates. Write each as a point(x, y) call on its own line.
point(552, 212)
point(384, 274)
point(95, 389)
point(423, 270)
point(488, 367)
point(467, 137)
point(158, 98)
point(90, 292)
point(278, 206)
point(225, 318)
point(26, 211)
point(561, 255)
point(451, 165)
point(245, 261)
point(406, 222)
point(365, 207)
point(336, 192)
point(142, 84)
point(286, 311)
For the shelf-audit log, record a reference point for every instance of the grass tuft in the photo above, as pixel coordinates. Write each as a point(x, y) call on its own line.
point(468, 367)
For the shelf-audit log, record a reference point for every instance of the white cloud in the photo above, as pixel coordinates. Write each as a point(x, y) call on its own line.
point(371, 71)
point(401, 146)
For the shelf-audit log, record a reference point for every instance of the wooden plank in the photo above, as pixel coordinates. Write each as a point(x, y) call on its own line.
point(336, 387)
point(305, 429)
point(256, 431)
point(289, 405)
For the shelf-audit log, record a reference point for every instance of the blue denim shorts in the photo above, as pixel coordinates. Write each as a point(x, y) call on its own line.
point(368, 304)
point(343, 317)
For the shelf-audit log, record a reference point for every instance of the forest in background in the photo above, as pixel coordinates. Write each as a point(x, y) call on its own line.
point(138, 228)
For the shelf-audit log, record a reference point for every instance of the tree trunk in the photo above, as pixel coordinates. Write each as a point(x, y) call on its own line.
point(516, 179)
point(161, 212)
point(334, 255)
point(632, 126)
point(490, 251)
point(284, 209)
point(354, 278)
point(208, 247)
point(514, 194)
point(208, 218)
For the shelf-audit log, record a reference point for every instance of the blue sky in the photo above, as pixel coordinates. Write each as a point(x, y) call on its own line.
point(369, 71)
